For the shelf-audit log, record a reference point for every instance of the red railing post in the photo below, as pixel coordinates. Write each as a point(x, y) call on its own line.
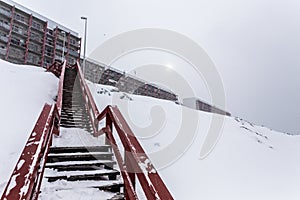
point(54, 43)
point(130, 169)
point(108, 124)
point(28, 39)
point(44, 44)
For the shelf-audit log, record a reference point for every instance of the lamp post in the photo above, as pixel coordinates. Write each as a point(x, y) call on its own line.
point(84, 50)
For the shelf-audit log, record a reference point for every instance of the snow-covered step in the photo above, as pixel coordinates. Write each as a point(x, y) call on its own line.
point(73, 114)
point(79, 156)
point(79, 123)
point(102, 148)
point(75, 119)
point(112, 186)
point(64, 190)
point(81, 165)
point(101, 174)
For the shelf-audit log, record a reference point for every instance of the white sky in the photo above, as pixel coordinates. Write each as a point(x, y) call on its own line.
point(254, 44)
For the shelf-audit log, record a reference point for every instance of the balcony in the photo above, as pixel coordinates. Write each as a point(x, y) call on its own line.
point(6, 26)
point(3, 38)
point(21, 22)
point(2, 51)
point(58, 47)
point(4, 12)
point(58, 58)
point(74, 53)
point(62, 38)
point(20, 32)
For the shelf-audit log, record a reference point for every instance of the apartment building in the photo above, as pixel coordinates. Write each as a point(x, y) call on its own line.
point(27, 37)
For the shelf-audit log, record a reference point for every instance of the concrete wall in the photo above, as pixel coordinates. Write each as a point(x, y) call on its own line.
point(97, 72)
point(197, 104)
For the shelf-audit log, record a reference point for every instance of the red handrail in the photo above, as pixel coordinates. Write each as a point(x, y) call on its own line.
point(89, 100)
point(60, 88)
point(25, 180)
point(135, 162)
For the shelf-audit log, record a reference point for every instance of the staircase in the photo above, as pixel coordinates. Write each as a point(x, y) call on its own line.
point(74, 113)
point(75, 168)
point(70, 169)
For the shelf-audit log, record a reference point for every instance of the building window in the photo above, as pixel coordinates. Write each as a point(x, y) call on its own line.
point(36, 25)
point(20, 18)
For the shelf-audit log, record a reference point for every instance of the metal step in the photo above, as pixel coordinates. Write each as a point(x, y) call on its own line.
point(81, 165)
point(82, 175)
point(82, 149)
point(79, 156)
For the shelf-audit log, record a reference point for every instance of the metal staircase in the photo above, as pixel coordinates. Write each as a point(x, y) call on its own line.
point(82, 167)
point(88, 166)
point(74, 112)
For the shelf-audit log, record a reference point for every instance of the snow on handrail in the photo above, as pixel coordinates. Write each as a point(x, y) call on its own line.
point(25, 180)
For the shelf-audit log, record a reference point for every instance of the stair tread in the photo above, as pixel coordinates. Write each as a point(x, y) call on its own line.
point(72, 163)
point(53, 173)
point(101, 174)
point(79, 154)
point(86, 184)
point(80, 148)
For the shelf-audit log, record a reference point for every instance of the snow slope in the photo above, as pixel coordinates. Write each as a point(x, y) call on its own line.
point(249, 161)
point(24, 91)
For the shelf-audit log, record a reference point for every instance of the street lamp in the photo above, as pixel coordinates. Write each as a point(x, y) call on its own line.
point(84, 52)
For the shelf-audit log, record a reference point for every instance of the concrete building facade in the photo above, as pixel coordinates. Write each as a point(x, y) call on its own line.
point(100, 73)
point(27, 37)
point(198, 104)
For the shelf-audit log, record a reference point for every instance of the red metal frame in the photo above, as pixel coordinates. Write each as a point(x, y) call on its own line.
point(10, 31)
point(28, 39)
point(44, 44)
point(27, 175)
point(54, 44)
point(68, 46)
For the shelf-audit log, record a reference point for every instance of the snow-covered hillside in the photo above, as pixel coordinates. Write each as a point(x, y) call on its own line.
point(24, 91)
point(249, 162)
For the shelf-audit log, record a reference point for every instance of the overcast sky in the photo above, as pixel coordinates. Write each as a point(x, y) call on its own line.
point(255, 44)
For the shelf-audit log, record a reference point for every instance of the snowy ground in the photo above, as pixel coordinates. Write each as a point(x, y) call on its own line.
point(24, 91)
point(249, 161)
